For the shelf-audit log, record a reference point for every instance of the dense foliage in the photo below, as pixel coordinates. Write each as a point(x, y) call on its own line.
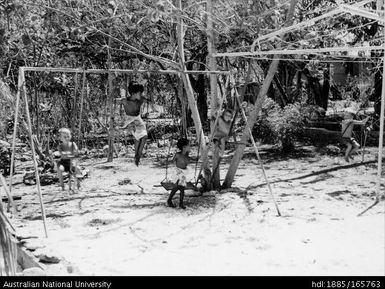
point(143, 35)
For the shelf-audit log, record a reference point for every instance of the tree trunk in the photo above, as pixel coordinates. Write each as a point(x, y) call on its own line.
point(191, 99)
point(256, 109)
point(214, 103)
point(315, 88)
point(377, 91)
point(283, 96)
point(251, 120)
point(326, 88)
point(200, 89)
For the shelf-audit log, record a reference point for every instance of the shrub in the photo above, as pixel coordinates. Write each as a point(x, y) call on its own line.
point(280, 125)
point(263, 128)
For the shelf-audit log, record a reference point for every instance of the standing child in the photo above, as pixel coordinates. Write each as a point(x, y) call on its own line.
point(222, 130)
point(132, 106)
point(182, 160)
point(68, 152)
point(347, 127)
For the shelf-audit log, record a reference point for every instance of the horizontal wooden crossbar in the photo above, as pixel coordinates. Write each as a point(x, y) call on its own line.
point(300, 51)
point(122, 71)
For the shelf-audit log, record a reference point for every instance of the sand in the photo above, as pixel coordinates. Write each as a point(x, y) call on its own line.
point(108, 228)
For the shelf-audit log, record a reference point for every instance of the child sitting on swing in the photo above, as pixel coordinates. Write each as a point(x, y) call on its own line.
point(222, 130)
point(68, 151)
point(182, 160)
point(347, 126)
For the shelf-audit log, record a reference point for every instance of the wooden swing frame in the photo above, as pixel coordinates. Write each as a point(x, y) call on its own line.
point(21, 91)
point(354, 9)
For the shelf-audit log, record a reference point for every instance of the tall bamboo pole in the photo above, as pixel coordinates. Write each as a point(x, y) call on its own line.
point(81, 106)
point(15, 124)
point(211, 59)
point(75, 104)
point(381, 140)
point(33, 151)
point(213, 88)
point(110, 106)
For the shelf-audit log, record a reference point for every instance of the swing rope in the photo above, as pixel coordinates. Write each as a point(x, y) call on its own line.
point(168, 154)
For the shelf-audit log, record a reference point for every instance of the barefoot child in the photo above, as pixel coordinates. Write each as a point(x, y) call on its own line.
point(68, 151)
point(132, 106)
point(182, 160)
point(222, 130)
point(347, 126)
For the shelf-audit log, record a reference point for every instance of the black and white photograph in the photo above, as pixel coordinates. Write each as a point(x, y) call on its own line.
point(192, 138)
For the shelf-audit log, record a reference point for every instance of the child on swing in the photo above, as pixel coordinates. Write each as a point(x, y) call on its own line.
point(222, 130)
point(182, 160)
point(132, 106)
point(347, 127)
point(68, 151)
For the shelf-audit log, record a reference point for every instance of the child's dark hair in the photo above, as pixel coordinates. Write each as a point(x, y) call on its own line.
point(228, 110)
point(135, 87)
point(182, 142)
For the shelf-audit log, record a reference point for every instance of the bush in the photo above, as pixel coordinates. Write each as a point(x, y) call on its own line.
point(263, 129)
point(277, 125)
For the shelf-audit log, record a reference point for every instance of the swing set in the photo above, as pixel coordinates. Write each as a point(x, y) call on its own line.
point(356, 9)
point(22, 94)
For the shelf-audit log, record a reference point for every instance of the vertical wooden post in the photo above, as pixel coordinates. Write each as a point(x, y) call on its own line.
point(81, 107)
point(190, 94)
point(15, 124)
point(212, 61)
point(36, 94)
point(213, 88)
point(183, 107)
point(379, 5)
point(110, 106)
point(33, 151)
point(381, 141)
point(75, 104)
point(381, 137)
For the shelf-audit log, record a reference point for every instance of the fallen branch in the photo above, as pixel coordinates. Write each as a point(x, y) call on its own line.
point(368, 208)
point(320, 172)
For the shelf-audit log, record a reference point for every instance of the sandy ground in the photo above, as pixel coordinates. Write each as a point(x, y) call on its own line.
point(108, 228)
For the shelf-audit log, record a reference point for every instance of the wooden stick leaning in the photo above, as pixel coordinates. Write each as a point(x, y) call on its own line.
point(81, 105)
point(8, 193)
point(19, 88)
point(21, 75)
point(257, 152)
point(4, 184)
point(381, 142)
